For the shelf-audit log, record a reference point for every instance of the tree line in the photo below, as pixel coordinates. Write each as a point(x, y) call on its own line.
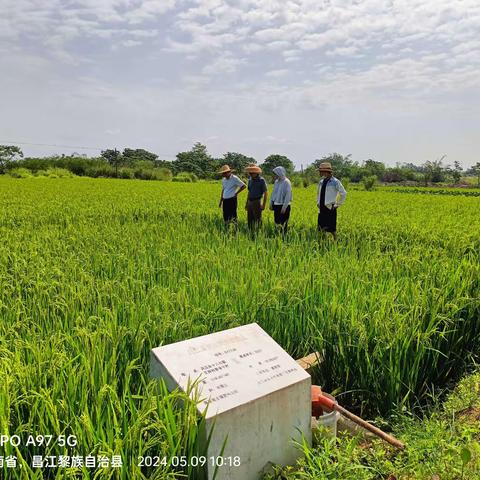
point(197, 163)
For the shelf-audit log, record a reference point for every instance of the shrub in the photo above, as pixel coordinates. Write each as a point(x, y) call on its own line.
point(145, 174)
point(59, 173)
point(297, 181)
point(165, 174)
point(185, 177)
point(20, 173)
point(182, 178)
point(41, 173)
point(126, 173)
point(100, 170)
point(143, 165)
point(369, 182)
point(154, 174)
point(346, 182)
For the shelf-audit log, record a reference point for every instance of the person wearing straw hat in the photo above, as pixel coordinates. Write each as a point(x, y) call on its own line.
point(231, 187)
point(257, 196)
point(331, 194)
point(281, 198)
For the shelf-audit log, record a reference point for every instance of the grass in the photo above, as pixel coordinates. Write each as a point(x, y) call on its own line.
point(444, 445)
point(94, 273)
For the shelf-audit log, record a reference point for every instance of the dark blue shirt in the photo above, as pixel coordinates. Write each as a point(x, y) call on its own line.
point(256, 188)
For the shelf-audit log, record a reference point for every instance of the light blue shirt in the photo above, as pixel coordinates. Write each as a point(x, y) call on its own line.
point(335, 193)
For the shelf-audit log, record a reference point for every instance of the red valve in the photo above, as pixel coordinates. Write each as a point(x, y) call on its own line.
point(317, 410)
point(320, 401)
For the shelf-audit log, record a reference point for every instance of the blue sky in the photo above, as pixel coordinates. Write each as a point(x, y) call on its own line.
point(393, 80)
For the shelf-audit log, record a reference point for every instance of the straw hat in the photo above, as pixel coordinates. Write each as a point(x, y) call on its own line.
point(325, 167)
point(225, 169)
point(253, 169)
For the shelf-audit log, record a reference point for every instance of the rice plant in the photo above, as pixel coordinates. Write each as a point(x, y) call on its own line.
point(94, 273)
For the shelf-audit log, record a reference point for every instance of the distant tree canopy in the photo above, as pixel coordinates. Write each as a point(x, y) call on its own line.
point(132, 156)
point(277, 160)
point(373, 168)
point(433, 171)
point(342, 165)
point(456, 171)
point(197, 160)
point(143, 164)
point(237, 161)
point(8, 153)
point(398, 174)
point(113, 157)
point(475, 170)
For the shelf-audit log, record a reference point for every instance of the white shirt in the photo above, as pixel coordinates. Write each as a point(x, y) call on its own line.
point(332, 191)
point(230, 186)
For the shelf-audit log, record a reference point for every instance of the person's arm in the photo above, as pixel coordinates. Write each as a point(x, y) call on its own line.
point(240, 184)
point(288, 196)
point(221, 198)
point(265, 195)
point(272, 196)
point(318, 193)
point(342, 193)
point(241, 189)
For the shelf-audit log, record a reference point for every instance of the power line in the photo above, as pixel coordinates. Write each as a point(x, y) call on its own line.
point(67, 146)
point(50, 145)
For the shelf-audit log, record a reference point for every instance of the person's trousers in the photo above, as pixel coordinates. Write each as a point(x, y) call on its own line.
point(281, 218)
point(254, 213)
point(229, 209)
point(327, 220)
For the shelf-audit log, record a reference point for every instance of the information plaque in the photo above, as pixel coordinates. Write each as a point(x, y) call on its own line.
point(255, 394)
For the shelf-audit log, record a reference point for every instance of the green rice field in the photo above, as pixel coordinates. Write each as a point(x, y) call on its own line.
point(94, 273)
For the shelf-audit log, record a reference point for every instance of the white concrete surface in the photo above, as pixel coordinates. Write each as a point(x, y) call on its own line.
point(254, 393)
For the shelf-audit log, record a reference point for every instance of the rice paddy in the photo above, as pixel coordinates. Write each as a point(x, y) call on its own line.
point(95, 272)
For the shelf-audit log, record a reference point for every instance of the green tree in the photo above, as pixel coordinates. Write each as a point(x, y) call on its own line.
point(114, 158)
point(237, 161)
point(8, 153)
point(196, 160)
point(276, 160)
point(132, 156)
point(433, 171)
point(374, 168)
point(163, 164)
point(311, 175)
point(456, 172)
point(187, 167)
point(343, 166)
point(411, 166)
point(476, 171)
point(369, 182)
point(398, 174)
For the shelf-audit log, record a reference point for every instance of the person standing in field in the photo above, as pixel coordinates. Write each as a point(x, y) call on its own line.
point(331, 194)
point(281, 198)
point(231, 187)
point(257, 196)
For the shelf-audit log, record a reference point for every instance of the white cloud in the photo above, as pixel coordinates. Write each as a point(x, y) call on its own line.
point(273, 56)
point(223, 65)
point(342, 51)
point(131, 43)
point(112, 131)
point(277, 73)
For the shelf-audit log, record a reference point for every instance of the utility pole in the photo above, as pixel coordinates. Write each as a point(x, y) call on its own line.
point(117, 160)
